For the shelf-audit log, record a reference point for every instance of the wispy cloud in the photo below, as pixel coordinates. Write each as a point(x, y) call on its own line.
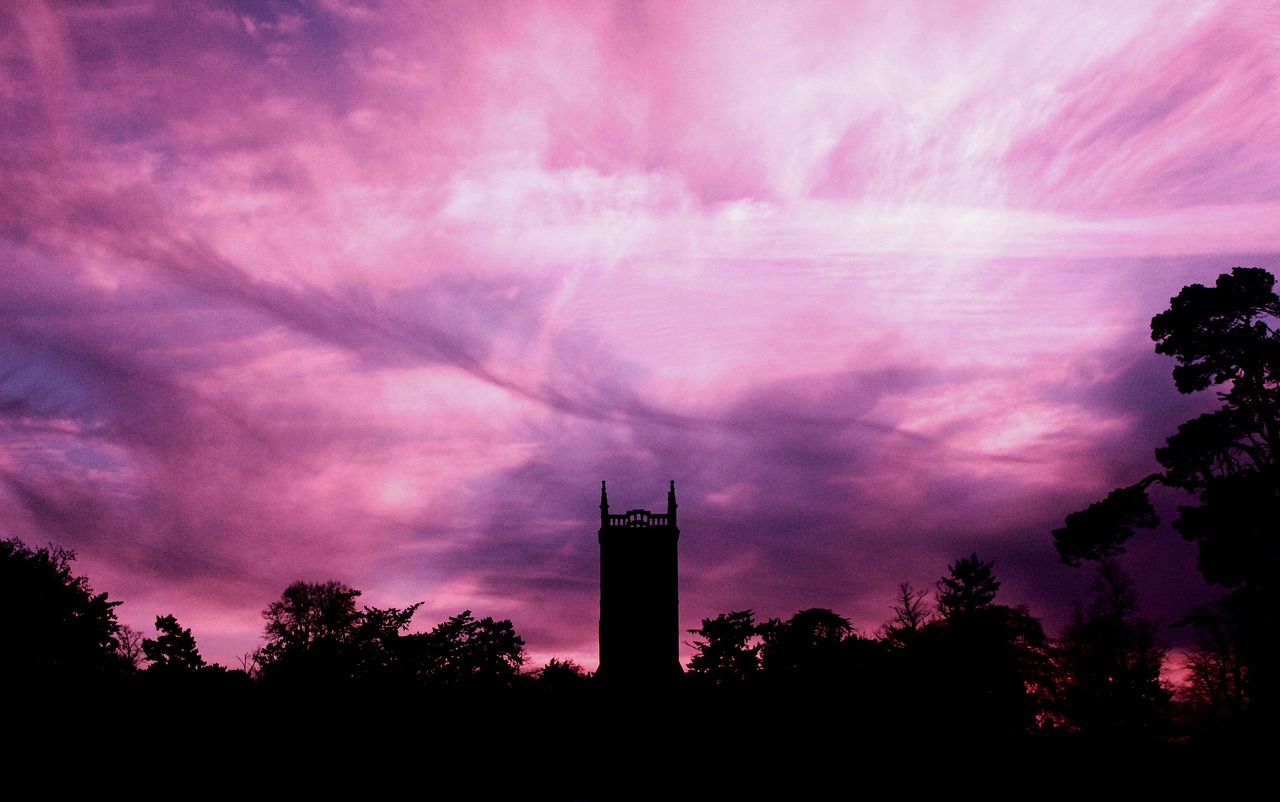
point(381, 293)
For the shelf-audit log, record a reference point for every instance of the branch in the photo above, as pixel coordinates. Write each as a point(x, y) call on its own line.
point(1101, 529)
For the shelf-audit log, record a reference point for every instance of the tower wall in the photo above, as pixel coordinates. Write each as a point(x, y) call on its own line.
point(639, 593)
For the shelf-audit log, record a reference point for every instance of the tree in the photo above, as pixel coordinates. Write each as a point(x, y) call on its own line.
point(561, 675)
point(314, 633)
point(129, 646)
point(1223, 338)
point(376, 643)
point(174, 651)
point(910, 615)
point(57, 629)
point(981, 664)
point(904, 667)
point(970, 587)
point(467, 651)
point(1108, 663)
point(307, 630)
point(729, 652)
point(1215, 690)
point(807, 644)
point(310, 613)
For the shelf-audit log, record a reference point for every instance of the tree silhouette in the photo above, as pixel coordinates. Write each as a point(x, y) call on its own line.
point(308, 631)
point(466, 651)
point(981, 665)
point(563, 682)
point(726, 654)
point(174, 651)
point(308, 613)
point(314, 633)
point(1108, 663)
point(377, 646)
point(970, 586)
point(910, 615)
point(808, 645)
point(1214, 695)
point(1225, 338)
point(1101, 529)
point(129, 646)
point(57, 629)
point(559, 672)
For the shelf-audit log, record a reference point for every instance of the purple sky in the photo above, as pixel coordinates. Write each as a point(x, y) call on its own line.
point(380, 292)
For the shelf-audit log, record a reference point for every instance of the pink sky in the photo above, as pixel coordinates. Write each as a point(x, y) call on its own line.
point(380, 292)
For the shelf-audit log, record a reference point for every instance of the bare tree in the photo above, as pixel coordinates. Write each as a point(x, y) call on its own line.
point(910, 614)
point(251, 663)
point(129, 646)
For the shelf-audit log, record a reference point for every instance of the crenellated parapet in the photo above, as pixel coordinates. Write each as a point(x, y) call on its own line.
point(639, 518)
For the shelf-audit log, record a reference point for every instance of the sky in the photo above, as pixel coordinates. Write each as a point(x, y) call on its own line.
point(381, 292)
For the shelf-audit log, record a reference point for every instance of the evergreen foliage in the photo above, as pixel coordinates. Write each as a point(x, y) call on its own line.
point(57, 628)
point(1227, 462)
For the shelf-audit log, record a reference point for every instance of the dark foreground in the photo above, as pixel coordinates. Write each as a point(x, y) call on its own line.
point(585, 745)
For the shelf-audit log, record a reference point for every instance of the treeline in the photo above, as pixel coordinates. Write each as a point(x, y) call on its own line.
point(951, 653)
point(316, 636)
point(343, 696)
point(957, 656)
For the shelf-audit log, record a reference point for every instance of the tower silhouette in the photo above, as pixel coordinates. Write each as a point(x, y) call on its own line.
point(639, 594)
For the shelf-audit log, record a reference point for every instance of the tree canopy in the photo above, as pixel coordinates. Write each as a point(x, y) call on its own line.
point(970, 586)
point(810, 643)
point(56, 626)
point(1108, 663)
point(174, 650)
point(728, 651)
point(1224, 338)
point(468, 651)
point(315, 633)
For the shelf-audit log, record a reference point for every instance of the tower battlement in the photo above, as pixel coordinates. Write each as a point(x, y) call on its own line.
point(638, 518)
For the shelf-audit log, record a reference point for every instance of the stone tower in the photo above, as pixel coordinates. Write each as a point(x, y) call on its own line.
point(639, 594)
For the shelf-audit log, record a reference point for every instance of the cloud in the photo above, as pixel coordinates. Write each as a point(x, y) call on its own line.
point(380, 294)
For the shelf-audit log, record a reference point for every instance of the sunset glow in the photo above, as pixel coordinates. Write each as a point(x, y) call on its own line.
point(380, 292)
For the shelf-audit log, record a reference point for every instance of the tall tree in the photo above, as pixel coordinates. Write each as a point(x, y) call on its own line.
point(981, 664)
point(1108, 663)
point(1224, 338)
